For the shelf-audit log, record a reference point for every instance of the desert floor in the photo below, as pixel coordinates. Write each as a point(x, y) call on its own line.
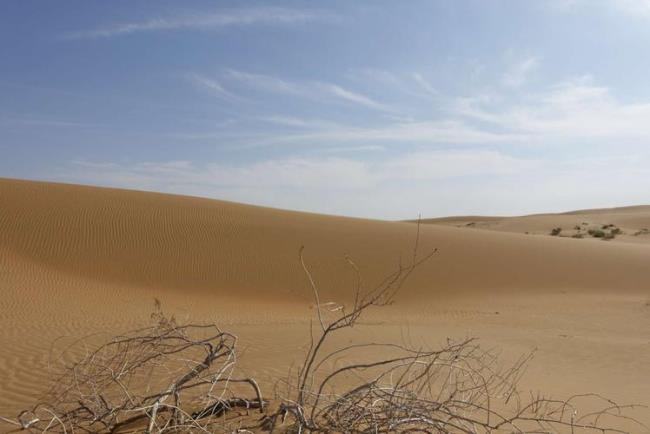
point(81, 260)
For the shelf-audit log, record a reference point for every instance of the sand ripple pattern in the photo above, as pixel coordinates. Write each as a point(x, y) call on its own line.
point(78, 260)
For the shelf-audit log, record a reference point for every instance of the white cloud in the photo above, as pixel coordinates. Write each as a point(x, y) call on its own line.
point(629, 8)
point(212, 85)
point(316, 90)
point(187, 177)
point(575, 110)
point(209, 20)
point(426, 132)
point(293, 182)
point(433, 183)
point(419, 79)
point(268, 83)
point(353, 97)
point(407, 84)
point(322, 172)
point(449, 164)
point(293, 121)
point(467, 160)
point(571, 112)
point(519, 71)
point(408, 134)
point(634, 8)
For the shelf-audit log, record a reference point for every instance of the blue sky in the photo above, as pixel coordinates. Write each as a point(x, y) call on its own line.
point(379, 109)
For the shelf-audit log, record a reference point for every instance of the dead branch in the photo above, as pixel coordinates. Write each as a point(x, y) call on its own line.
point(165, 378)
point(459, 388)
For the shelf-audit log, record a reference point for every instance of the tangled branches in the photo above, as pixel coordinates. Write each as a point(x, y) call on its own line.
point(460, 388)
point(165, 378)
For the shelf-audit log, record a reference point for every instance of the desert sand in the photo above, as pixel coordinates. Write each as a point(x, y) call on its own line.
point(630, 224)
point(77, 260)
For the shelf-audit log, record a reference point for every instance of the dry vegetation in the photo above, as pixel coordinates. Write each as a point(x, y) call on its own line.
point(147, 380)
point(605, 232)
point(182, 378)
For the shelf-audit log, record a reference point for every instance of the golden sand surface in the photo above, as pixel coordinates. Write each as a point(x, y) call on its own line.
point(631, 224)
point(78, 260)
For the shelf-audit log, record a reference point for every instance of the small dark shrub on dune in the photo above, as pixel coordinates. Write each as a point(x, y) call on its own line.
point(608, 232)
point(596, 233)
point(556, 231)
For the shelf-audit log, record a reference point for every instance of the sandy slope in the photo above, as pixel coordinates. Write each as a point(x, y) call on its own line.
point(75, 260)
point(633, 222)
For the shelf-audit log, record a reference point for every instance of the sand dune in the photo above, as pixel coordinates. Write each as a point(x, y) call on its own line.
point(632, 222)
point(179, 243)
point(76, 260)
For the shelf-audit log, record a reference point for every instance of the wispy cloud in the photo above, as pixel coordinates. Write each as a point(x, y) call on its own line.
point(268, 83)
point(212, 85)
point(519, 71)
point(375, 75)
point(424, 84)
point(395, 83)
point(575, 111)
point(629, 8)
point(304, 183)
point(571, 111)
point(353, 97)
point(322, 135)
point(293, 121)
point(490, 149)
point(427, 182)
point(638, 8)
point(443, 132)
point(208, 20)
point(323, 172)
point(315, 90)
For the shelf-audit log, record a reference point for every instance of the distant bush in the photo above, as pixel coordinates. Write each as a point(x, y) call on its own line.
point(608, 232)
point(556, 231)
point(596, 233)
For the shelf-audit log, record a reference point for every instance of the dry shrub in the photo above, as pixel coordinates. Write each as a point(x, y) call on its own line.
point(164, 378)
point(459, 388)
